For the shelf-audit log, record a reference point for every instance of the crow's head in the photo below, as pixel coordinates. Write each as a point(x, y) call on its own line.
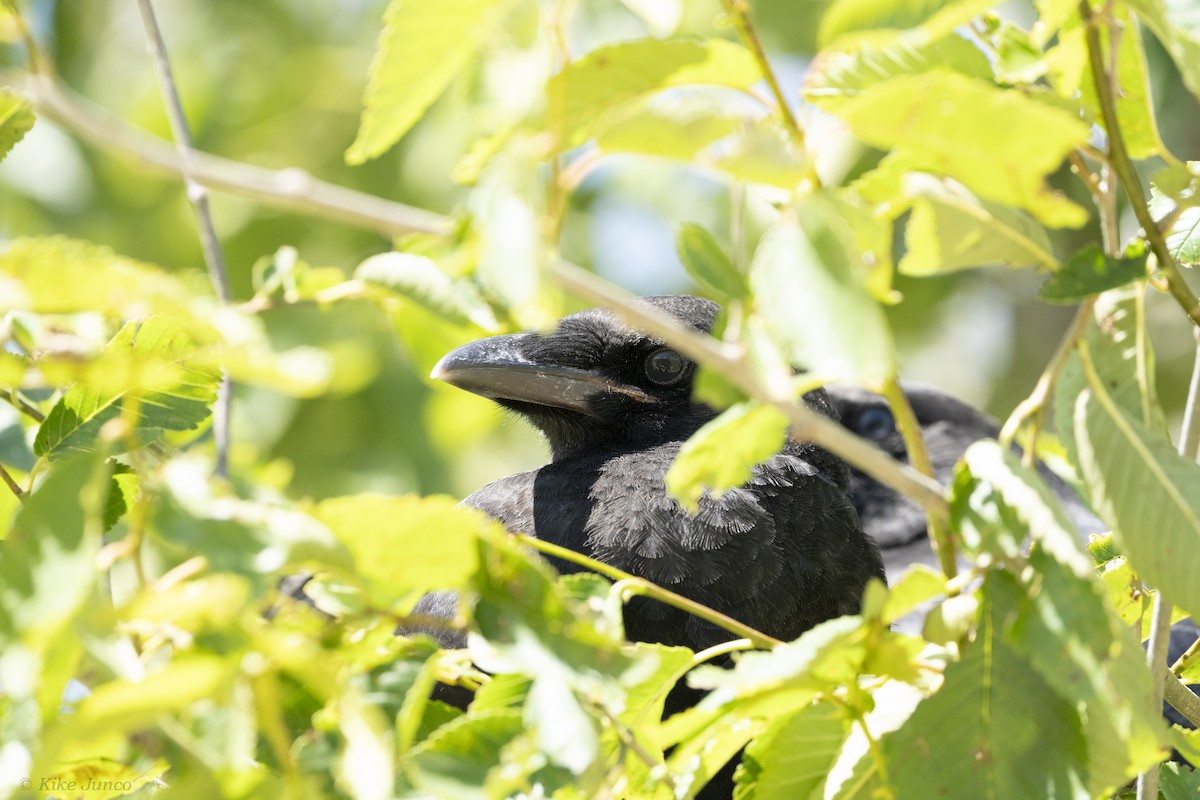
point(593, 383)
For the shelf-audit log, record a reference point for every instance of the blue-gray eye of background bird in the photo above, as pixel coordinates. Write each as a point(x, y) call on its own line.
point(875, 423)
point(664, 366)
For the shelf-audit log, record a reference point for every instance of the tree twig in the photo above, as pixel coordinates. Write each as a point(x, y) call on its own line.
point(739, 10)
point(632, 584)
point(198, 197)
point(1119, 157)
point(14, 398)
point(13, 486)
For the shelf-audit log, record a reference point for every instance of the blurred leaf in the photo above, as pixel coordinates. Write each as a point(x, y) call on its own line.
point(922, 117)
point(127, 705)
point(390, 538)
point(56, 275)
point(847, 17)
point(1018, 57)
point(1178, 782)
point(505, 207)
point(994, 728)
point(791, 759)
point(421, 48)
point(179, 403)
point(209, 602)
point(722, 454)
point(707, 262)
point(764, 153)
point(456, 760)
point(368, 758)
point(1177, 27)
point(836, 75)
point(584, 93)
point(1090, 272)
point(806, 291)
point(47, 570)
point(917, 585)
point(106, 779)
point(419, 279)
point(16, 118)
point(677, 130)
point(1144, 490)
point(661, 16)
point(951, 229)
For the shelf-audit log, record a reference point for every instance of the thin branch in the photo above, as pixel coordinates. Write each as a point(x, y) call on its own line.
point(37, 64)
point(13, 486)
point(1185, 658)
point(1181, 698)
point(291, 188)
point(1121, 164)
point(739, 10)
point(631, 584)
point(294, 189)
point(918, 456)
point(14, 398)
point(806, 425)
point(198, 197)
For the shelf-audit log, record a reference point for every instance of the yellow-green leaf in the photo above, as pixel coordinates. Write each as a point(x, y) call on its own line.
point(422, 47)
point(16, 118)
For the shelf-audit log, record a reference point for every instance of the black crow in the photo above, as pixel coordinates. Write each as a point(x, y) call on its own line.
point(781, 554)
point(949, 427)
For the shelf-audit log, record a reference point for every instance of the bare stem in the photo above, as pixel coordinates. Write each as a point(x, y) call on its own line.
point(1119, 158)
point(14, 398)
point(740, 11)
point(918, 456)
point(1186, 657)
point(198, 197)
point(632, 584)
point(13, 486)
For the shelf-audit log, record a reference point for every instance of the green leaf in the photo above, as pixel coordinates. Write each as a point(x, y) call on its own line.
point(707, 262)
point(56, 275)
point(1178, 28)
point(1183, 238)
point(764, 153)
point(1178, 782)
point(951, 229)
point(1124, 359)
point(122, 492)
point(1143, 489)
point(583, 95)
point(47, 566)
point(389, 539)
point(847, 19)
point(994, 729)
point(1090, 272)
point(153, 363)
point(107, 779)
point(791, 759)
point(455, 761)
point(419, 279)
point(917, 585)
point(679, 129)
point(421, 48)
point(16, 118)
point(923, 118)
point(836, 76)
point(1018, 57)
point(722, 454)
point(806, 290)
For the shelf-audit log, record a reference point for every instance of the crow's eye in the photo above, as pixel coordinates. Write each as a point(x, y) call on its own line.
point(875, 423)
point(664, 366)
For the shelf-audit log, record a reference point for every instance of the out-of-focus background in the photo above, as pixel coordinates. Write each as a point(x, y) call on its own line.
point(279, 83)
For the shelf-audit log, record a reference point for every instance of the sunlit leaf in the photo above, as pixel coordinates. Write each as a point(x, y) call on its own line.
point(16, 118)
point(722, 454)
point(806, 290)
point(837, 75)
point(583, 93)
point(1018, 58)
point(707, 262)
point(122, 491)
point(766, 154)
point(179, 403)
point(1143, 489)
point(792, 757)
point(1183, 236)
point(389, 538)
point(966, 129)
point(421, 48)
point(455, 761)
point(677, 130)
point(1090, 272)
point(854, 18)
point(419, 279)
point(995, 728)
point(1178, 28)
point(951, 229)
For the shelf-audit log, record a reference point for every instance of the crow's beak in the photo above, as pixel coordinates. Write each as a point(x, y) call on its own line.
point(496, 368)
